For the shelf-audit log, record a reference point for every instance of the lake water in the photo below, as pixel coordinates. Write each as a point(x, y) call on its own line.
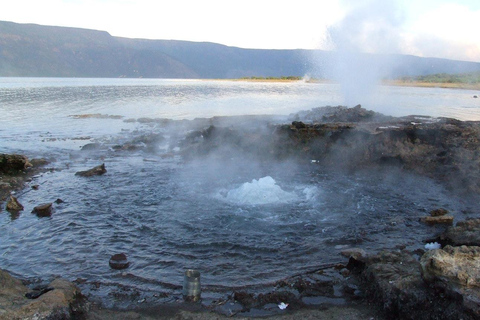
point(240, 223)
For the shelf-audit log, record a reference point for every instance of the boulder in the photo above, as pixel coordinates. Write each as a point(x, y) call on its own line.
point(455, 271)
point(13, 163)
point(395, 282)
point(455, 265)
point(43, 210)
point(95, 171)
point(14, 205)
point(62, 301)
point(464, 233)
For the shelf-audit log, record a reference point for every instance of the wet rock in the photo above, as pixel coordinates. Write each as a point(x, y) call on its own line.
point(62, 300)
point(14, 205)
point(454, 265)
point(464, 233)
point(355, 253)
point(43, 210)
point(91, 146)
point(119, 261)
point(95, 171)
point(39, 162)
point(438, 212)
point(455, 270)
point(395, 281)
point(437, 220)
point(38, 292)
point(13, 163)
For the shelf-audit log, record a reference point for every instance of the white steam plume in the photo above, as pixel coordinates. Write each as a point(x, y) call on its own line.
point(370, 26)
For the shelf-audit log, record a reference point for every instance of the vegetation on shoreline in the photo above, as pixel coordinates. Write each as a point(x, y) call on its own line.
point(470, 80)
point(292, 78)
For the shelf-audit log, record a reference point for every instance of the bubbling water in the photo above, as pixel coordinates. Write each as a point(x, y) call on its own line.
point(264, 191)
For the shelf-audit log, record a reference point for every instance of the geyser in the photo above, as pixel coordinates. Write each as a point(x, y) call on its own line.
point(362, 44)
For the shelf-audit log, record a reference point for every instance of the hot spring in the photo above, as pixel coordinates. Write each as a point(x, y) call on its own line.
point(242, 223)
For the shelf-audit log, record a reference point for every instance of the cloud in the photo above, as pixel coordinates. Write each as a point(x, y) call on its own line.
point(449, 31)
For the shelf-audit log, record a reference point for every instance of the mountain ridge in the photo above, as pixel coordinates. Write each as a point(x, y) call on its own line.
point(48, 51)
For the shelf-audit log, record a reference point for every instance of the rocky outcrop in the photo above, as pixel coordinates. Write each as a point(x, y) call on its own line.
point(443, 284)
point(458, 266)
point(95, 171)
point(14, 171)
point(464, 233)
point(455, 271)
point(352, 138)
point(13, 163)
point(62, 301)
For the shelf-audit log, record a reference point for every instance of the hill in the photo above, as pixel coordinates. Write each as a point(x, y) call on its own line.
point(46, 51)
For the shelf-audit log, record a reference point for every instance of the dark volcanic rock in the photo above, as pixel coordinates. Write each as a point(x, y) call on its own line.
point(95, 171)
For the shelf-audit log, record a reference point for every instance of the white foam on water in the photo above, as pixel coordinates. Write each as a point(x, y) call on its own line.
point(262, 191)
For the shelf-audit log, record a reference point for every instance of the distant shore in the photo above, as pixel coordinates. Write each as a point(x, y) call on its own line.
point(450, 85)
point(400, 83)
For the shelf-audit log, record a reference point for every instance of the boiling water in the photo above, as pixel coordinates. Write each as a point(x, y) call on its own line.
point(240, 222)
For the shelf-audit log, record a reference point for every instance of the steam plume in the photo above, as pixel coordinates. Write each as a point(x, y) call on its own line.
point(370, 26)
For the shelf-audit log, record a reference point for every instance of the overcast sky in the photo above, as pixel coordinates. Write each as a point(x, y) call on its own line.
point(430, 28)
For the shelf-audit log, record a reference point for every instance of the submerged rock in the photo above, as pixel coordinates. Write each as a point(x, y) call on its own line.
point(438, 212)
point(119, 261)
point(95, 171)
point(14, 205)
point(437, 220)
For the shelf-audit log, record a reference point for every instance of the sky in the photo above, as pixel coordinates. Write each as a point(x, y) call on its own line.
point(428, 28)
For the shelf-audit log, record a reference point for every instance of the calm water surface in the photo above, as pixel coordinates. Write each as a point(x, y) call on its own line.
point(240, 223)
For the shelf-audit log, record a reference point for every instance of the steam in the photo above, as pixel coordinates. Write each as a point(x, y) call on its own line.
point(369, 27)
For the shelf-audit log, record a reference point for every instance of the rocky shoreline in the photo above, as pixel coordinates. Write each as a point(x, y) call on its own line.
point(442, 283)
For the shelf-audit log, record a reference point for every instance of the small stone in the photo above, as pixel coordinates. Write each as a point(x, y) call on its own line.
point(119, 261)
point(35, 187)
point(58, 201)
point(14, 205)
point(43, 210)
point(438, 212)
point(437, 220)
